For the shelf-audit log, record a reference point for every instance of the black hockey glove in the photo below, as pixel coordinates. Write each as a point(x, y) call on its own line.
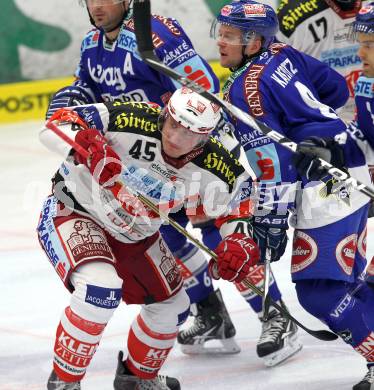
point(305, 159)
point(270, 231)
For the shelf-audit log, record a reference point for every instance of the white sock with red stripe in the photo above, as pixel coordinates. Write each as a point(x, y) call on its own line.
point(76, 342)
point(148, 350)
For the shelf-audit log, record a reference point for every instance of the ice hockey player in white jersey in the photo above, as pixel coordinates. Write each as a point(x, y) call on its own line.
point(109, 69)
point(105, 244)
point(320, 28)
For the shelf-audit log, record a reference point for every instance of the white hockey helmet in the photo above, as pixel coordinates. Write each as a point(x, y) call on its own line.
point(193, 111)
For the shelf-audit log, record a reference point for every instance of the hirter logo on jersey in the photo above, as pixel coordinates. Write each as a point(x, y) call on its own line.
point(304, 251)
point(254, 10)
point(346, 252)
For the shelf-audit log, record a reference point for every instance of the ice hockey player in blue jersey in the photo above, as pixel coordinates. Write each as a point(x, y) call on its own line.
point(362, 32)
point(296, 95)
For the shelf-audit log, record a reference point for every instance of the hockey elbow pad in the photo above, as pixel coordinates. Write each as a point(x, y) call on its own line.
point(67, 97)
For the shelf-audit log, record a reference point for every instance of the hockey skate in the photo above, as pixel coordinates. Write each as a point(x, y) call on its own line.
point(55, 383)
point(124, 380)
point(278, 340)
point(212, 322)
point(367, 382)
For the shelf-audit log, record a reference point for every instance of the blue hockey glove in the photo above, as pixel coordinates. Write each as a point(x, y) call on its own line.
point(270, 231)
point(305, 159)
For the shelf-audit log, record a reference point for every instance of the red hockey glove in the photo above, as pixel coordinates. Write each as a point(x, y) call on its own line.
point(103, 163)
point(69, 116)
point(235, 255)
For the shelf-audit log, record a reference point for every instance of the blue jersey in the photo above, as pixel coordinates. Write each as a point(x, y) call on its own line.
point(364, 99)
point(296, 95)
point(115, 70)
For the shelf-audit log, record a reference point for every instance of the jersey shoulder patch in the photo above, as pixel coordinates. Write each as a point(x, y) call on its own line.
point(217, 160)
point(132, 117)
point(291, 13)
point(91, 39)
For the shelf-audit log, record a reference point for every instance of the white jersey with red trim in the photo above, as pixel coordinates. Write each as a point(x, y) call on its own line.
point(209, 176)
point(320, 28)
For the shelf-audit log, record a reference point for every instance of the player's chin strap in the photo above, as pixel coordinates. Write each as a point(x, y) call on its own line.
point(143, 32)
point(324, 335)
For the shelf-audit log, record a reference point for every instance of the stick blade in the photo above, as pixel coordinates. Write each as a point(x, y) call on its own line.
point(324, 335)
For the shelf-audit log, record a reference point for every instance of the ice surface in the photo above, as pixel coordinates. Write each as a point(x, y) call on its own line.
point(32, 299)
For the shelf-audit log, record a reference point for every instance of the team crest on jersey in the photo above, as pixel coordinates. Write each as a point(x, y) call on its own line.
point(254, 10)
point(345, 253)
point(304, 251)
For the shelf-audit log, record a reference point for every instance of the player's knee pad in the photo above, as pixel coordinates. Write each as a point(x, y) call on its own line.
point(97, 291)
point(166, 316)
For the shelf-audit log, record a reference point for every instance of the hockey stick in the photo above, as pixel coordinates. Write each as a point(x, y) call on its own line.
point(143, 32)
point(324, 335)
point(266, 296)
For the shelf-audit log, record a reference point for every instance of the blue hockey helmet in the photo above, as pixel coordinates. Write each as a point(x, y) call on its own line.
point(251, 17)
point(364, 22)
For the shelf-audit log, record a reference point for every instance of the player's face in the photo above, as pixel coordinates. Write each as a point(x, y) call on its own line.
point(366, 53)
point(106, 13)
point(177, 140)
point(230, 46)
